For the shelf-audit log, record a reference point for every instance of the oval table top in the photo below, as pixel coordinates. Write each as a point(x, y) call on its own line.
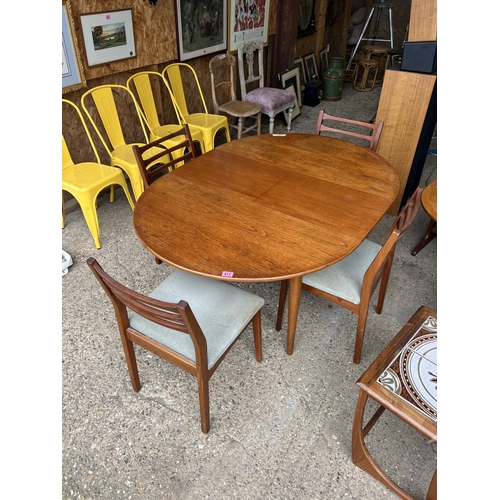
point(266, 207)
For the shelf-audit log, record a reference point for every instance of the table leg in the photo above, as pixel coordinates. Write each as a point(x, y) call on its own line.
point(295, 285)
point(429, 235)
point(361, 456)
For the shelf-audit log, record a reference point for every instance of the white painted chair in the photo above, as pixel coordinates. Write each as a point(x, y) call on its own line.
point(273, 101)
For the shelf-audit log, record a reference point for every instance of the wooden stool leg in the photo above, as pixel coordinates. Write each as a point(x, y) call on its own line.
point(361, 456)
point(429, 235)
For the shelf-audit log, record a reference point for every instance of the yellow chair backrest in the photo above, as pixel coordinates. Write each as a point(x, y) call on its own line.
point(106, 107)
point(67, 160)
point(144, 90)
point(175, 80)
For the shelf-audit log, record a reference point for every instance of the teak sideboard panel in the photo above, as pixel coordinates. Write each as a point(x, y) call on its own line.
point(403, 106)
point(423, 21)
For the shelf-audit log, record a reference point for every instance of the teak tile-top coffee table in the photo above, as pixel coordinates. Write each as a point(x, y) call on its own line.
point(403, 379)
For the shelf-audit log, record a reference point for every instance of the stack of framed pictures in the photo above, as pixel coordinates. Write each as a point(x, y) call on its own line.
point(290, 81)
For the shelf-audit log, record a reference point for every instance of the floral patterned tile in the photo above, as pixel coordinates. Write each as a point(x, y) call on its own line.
point(412, 375)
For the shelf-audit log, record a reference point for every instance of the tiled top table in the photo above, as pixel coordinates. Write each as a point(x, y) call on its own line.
point(403, 380)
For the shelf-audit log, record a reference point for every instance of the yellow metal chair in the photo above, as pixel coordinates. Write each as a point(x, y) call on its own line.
point(142, 84)
point(118, 149)
point(86, 180)
point(208, 124)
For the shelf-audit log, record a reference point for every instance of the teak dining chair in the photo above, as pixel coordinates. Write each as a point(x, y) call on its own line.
point(223, 79)
point(143, 83)
point(208, 124)
point(273, 101)
point(118, 149)
point(351, 282)
point(188, 320)
point(85, 180)
point(372, 137)
point(179, 145)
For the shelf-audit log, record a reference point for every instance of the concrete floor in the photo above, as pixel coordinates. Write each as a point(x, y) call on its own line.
point(281, 429)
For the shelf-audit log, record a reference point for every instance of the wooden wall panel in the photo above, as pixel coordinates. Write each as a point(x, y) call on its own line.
point(403, 105)
point(423, 21)
point(154, 33)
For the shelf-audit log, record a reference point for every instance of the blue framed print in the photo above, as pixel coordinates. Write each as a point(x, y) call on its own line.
point(72, 67)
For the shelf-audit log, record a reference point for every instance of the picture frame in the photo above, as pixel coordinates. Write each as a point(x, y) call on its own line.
point(292, 77)
point(108, 36)
point(311, 67)
point(299, 63)
point(73, 76)
point(323, 58)
point(201, 30)
point(248, 22)
point(296, 110)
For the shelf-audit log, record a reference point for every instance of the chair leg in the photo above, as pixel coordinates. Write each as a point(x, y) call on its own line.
point(257, 335)
point(360, 329)
point(383, 284)
point(361, 456)
point(112, 193)
point(259, 119)
point(281, 304)
point(271, 124)
point(87, 204)
point(204, 402)
point(288, 116)
point(240, 126)
point(128, 348)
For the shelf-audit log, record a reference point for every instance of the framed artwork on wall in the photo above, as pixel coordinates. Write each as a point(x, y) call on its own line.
point(323, 57)
point(299, 63)
point(73, 77)
point(292, 77)
point(248, 20)
point(201, 27)
point(108, 36)
point(312, 69)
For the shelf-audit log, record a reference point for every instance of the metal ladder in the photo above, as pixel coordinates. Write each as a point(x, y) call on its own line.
point(378, 6)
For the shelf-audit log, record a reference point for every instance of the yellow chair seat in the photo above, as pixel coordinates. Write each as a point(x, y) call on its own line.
point(85, 180)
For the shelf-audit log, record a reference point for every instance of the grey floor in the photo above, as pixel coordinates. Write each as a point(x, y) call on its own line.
point(281, 429)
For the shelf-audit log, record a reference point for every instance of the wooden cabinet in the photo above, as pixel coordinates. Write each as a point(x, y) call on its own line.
point(404, 107)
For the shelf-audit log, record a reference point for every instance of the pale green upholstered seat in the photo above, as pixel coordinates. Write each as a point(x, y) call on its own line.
point(222, 311)
point(189, 321)
point(345, 279)
point(351, 282)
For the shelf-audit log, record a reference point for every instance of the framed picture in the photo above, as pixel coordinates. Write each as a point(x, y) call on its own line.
point(323, 57)
point(108, 36)
point(248, 20)
point(72, 68)
point(201, 27)
point(292, 77)
point(296, 110)
point(299, 63)
point(311, 68)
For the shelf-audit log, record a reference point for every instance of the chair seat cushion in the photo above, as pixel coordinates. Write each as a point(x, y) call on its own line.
point(221, 309)
point(345, 278)
point(270, 99)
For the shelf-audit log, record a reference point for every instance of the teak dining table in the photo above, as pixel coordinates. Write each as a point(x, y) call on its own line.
point(267, 208)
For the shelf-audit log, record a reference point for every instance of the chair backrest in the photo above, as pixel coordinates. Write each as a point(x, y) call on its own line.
point(372, 137)
point(398, 228)
point(67, 160)
point(246, 54)
point(105, 104)
point(144, 91)
point(173, 76)
point(178, 317)
point(155, 166)
point(223, 65)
